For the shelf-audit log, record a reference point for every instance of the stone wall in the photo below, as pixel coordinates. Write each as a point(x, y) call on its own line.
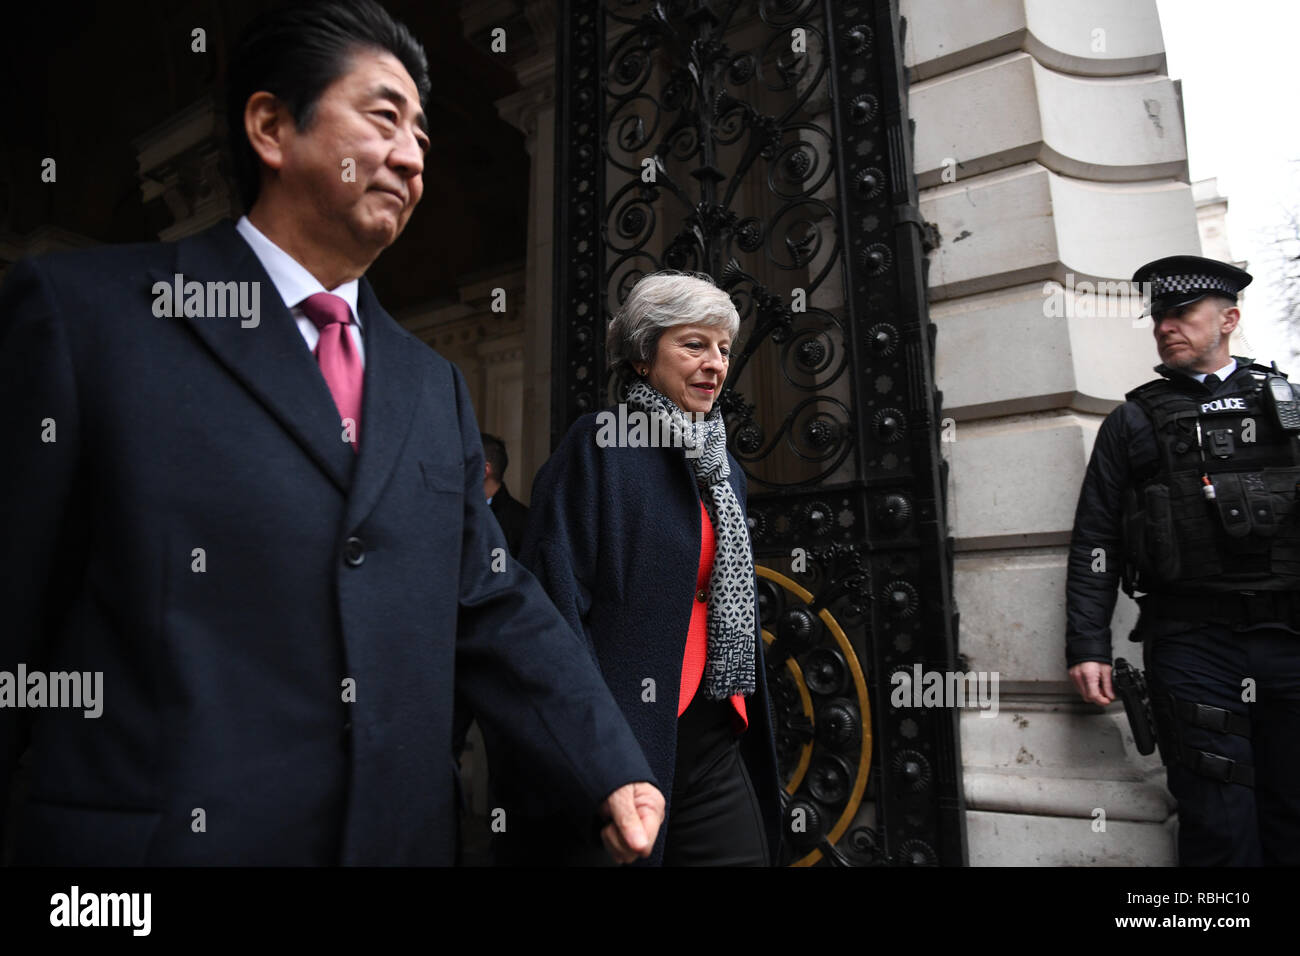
point(1051, 156)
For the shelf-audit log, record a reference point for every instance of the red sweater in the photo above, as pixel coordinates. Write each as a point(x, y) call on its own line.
point(697, 638)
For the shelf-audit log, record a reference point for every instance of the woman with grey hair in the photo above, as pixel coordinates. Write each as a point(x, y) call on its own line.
point(644, 547)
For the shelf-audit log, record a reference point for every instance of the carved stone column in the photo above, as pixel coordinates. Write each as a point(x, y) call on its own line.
point(530, 38)
point(184, 165)
point(487, 346)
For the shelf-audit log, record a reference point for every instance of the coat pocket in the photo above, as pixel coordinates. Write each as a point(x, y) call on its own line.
point(440, 477)
point(1160, 539)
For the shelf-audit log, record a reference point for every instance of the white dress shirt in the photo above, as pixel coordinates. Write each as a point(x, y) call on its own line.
point(1223, 373)
point(295, 283)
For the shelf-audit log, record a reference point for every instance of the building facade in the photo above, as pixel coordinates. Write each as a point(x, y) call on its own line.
point(1045, 156)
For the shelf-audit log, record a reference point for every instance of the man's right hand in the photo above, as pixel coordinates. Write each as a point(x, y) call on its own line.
point(635, 812)
point(1092, 680)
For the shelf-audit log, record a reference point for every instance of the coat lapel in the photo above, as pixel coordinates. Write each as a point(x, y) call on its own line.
point(270, 359)
point(387, 404)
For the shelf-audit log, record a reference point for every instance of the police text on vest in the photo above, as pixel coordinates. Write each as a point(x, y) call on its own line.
point(1223, 405)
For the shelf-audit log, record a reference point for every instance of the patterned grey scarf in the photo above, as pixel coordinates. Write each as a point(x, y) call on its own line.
point(729, 667)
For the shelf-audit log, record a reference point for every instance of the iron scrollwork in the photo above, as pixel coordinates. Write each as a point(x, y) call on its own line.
point(765, 143)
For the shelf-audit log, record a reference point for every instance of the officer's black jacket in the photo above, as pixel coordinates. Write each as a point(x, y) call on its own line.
point(1125, 452)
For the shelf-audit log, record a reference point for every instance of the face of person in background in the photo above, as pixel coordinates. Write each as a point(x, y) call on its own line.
point(691, 364)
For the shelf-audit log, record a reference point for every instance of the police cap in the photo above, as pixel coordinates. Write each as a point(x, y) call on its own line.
point(1181, 280)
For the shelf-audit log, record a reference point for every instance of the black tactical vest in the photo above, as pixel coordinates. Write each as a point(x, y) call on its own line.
point(1244, 535)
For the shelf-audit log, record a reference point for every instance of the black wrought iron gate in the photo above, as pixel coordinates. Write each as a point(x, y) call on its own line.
point(766, 142)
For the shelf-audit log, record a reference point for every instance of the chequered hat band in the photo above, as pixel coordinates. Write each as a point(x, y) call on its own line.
point(1164, 285)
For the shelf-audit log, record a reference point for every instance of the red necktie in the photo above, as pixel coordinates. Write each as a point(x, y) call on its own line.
point(337, 355)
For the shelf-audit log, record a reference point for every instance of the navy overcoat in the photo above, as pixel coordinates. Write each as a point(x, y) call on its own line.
point(614, 538)
point(282, 625)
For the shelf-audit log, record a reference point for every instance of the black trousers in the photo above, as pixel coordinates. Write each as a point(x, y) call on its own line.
point(1223, 823)
point(714, 817)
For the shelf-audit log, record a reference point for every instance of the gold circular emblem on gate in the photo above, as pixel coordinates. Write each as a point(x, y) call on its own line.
point(806, 703)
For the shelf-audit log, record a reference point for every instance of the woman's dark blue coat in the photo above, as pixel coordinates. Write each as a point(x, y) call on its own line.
point(614, 538)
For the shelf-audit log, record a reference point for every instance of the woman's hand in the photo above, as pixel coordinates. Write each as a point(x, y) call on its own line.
point(635, 812)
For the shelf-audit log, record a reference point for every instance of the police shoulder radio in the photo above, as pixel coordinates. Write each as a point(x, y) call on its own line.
point(1286, 410)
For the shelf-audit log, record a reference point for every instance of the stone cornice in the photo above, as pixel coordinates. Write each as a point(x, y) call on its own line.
point(1087, 37)
point(1012, 109)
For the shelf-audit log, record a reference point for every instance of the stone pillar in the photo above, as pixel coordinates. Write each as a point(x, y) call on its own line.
point(1051, 156)
point(487, 346)
point(530, 28)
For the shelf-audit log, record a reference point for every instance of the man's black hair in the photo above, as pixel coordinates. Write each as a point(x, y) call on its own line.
point(295, 53)
point(494, 450)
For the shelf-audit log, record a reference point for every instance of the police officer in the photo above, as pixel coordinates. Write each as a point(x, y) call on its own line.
point(1190, 502)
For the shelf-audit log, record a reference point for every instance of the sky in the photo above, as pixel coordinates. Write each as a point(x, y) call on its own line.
point(1238, 65)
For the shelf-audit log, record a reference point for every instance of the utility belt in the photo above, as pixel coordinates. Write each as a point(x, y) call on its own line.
point(1236, 608)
